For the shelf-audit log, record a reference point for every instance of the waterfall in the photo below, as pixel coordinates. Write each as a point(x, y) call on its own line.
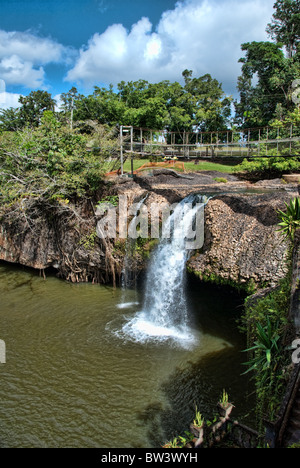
point(128, 274)
point(164, 314)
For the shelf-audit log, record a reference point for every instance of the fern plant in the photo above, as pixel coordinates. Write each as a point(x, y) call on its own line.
point(266, 350)
point(290, 220)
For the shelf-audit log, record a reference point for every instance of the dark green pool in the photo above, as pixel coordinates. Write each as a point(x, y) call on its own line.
point(71, 380)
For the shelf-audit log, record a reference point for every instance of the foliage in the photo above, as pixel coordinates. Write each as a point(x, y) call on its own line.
point(52, 162)
point(293, 446)
point(89, 241)
point(268, 167)
point(265, 321)
point(285, 25)
point(199, 420)
point(282, 162)
point(290, 220)
point(29, 113)
point(221, 180)
point(224, 400)
point(200, 102)
point(180, 441)
point(10, 119)
point(275, 74)
point(271, 95)
point(110, 199)
point(266, 350)
point(33, 106)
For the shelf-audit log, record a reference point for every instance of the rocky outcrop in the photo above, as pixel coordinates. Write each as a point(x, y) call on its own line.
point(42, 235)
point(242, 246)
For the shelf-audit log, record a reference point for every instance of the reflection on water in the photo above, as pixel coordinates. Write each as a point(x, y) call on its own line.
point(71, 381)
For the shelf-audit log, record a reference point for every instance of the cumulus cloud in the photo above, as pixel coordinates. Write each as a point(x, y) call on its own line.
point(24, 55)
point(117, 55)
point(202, 35)
point(8, 100)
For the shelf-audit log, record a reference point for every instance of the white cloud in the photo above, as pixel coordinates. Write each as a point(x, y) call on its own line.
point(8, 100)
point(201, 35)
point(24, 55)
point(59, 102)
point(15, 71)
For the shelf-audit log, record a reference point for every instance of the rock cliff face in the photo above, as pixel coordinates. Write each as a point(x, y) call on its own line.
point(242, 245)
point(62, 238)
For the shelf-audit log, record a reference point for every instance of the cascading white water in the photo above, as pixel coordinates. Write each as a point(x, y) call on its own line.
point(165, 313)
point(128, 275)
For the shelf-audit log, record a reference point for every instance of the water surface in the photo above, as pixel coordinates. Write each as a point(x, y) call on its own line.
point(73, 378)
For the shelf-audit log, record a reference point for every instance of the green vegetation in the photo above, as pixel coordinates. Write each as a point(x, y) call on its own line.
point(274, 65)
point(267, 93)
point(200, 102)
point(290, 220)
point(62, 155)
point(224, 400)
point(221, 180)
point(210, 277)
point(266, 349)
point(266, 323)
point(89, 241)
point(110, 199)
point(200, 424)
point(199, 420)
point(180, 441)
point(269, 167)
point(52, 162)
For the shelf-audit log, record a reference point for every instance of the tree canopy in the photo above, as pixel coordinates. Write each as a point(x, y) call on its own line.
point(268, 73)
point(285, 25)
point(198, 103)
point(266, 88)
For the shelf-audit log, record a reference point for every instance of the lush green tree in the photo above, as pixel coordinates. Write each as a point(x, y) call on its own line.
point(69, 99)
point(212, 108)
point(103, 106)
point(69, 103)
point(199, 103)
point(180, 106)
point(10, 119)
point(33, 107)
point(268, 74)
point(275, 73)
point(53, 162)
point(285, 25)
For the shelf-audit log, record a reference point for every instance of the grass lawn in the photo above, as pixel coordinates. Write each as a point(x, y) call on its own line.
point(189, 166)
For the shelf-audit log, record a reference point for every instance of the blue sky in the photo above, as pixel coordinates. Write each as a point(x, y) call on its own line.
point(54, 45)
